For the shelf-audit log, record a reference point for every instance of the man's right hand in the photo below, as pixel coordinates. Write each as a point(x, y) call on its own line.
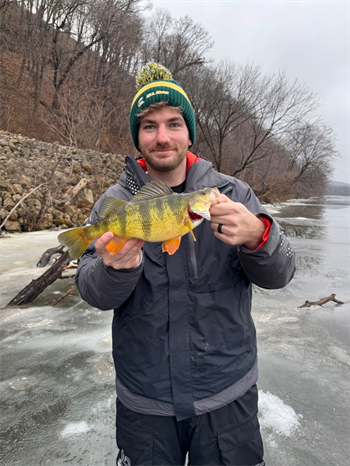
point(127, 258)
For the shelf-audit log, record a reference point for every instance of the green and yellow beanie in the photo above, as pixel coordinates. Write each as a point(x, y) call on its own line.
point(155, 84)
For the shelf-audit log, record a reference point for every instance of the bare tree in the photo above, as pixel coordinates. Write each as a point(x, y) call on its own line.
point(283, 107)
point(224, 98)
point(5, 3)
point(311, 150)
point(93, 21)
point(83, 120)
point(177, 44)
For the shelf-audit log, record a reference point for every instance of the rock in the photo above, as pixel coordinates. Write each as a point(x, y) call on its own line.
point(46, 222)
point(69, 210)
point(3, 184)
point(12, 226)
point(25, 163)
point(87, 167)
point(9, 203)
point(82, 218)
point(76, 167)
point(3, 213)
point(85, 198)
point(17, 197)
point(26, 181)
point(36, 203)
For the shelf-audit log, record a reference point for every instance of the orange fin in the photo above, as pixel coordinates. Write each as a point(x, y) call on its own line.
point(115, 245)
point(189, 226)
point(171, 245)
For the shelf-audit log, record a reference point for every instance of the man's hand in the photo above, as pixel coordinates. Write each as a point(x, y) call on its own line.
point(239, 226)
point(127, 258)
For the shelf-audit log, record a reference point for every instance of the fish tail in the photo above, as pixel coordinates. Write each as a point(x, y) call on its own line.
point(75, 240)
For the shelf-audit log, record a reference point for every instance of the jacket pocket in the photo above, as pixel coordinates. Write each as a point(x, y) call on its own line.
point(241, 444)
point(136, 443)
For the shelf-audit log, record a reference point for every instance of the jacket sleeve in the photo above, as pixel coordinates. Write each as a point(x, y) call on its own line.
point(273, 265)
point(103, 286)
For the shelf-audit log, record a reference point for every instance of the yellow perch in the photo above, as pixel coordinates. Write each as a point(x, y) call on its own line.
point(154, 214)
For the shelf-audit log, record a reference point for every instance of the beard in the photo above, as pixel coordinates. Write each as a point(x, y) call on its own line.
point(158, 164)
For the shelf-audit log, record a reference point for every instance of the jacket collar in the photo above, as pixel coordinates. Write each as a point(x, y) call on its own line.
point(200, 174)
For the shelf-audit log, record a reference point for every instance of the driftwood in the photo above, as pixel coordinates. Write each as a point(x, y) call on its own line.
point(71, 290)
point(321, 301)
point(35, 287)
point(44, 259)
point(72, 192)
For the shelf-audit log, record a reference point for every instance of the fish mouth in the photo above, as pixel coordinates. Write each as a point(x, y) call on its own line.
point(199, 215)
point(215, 193)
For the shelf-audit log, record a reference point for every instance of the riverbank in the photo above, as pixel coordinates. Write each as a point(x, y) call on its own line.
point(51, 185)
point(57, 380)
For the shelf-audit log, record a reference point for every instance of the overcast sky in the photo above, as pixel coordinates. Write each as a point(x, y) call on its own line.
point(308, 39)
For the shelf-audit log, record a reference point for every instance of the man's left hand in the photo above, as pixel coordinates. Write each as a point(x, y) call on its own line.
point(239, 225)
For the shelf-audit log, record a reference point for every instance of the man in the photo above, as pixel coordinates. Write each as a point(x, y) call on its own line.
point(184, 343)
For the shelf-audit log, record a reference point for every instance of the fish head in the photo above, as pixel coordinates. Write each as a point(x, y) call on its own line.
point(200, 203)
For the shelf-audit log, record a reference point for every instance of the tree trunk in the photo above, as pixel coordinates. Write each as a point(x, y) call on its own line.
point(35, 287)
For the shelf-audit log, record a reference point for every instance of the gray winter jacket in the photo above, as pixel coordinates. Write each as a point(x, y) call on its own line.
point(184, 341)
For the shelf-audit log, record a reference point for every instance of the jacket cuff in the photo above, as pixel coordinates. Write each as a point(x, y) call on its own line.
point(114, 272)
point(270, 245)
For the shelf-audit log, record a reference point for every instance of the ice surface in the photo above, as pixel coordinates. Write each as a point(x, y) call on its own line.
point(57, 381)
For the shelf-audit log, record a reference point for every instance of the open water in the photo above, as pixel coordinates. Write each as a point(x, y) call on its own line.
point(57, 392)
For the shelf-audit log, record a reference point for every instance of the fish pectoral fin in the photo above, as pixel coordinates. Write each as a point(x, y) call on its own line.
point(189, 226)
point(171, 245)
point(109, 205)
point(115, 244)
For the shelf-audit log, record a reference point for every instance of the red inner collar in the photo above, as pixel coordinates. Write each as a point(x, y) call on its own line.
point(191, 159)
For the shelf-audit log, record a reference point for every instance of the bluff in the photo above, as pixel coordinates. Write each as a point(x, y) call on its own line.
point(54, 186)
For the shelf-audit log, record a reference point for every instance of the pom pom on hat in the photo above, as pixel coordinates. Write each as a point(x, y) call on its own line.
point(152, 72)
point(155, 83)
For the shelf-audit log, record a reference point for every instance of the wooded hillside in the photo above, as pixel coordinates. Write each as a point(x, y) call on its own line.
point(68, 75)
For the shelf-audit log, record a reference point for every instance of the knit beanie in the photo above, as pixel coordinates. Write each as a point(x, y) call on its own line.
point(155, 84)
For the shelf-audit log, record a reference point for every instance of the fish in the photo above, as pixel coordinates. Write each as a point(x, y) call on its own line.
point(154, 214)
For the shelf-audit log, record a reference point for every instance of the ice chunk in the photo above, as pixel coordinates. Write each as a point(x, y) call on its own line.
point(75, 428)
point(276, 415)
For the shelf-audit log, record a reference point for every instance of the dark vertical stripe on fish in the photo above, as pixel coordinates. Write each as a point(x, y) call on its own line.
point(146, 215)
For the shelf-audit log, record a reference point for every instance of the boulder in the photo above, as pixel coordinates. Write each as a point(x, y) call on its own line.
point(12, 226)
point(17, 189)
point(87, 167)
point(3, 213)
point(9, 203)
point(85, 198)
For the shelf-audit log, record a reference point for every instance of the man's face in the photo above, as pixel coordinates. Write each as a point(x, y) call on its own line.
point(164, 139)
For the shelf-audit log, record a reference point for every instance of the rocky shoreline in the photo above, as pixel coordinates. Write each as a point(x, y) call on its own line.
point(54, 186)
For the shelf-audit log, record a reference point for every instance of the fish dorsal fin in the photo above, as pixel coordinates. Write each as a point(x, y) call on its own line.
point(109, 205)
point(152, 190)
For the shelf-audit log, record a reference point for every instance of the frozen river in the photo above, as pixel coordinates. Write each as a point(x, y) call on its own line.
point(57, 392)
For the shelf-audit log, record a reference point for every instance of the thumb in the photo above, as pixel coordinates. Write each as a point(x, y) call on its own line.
point(104, 240)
